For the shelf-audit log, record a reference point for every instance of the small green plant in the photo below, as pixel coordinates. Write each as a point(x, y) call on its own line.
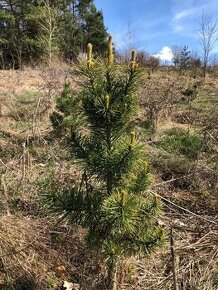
point(111, 201)
point(28, 97)
point(178, 141)
point(190, 93)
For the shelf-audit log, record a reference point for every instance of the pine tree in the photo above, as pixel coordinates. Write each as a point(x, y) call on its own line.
point(181, 56)
point(94, 30)
point(71, 35)
point(23, 26)
point(12, 36)
point(68, 112)
point(112, 201)
point(185, 57)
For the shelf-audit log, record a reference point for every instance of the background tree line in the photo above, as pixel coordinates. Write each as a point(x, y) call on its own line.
point(36, 30)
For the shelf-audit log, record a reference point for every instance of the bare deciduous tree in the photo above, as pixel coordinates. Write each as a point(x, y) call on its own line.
point(129, 42)
point(207, 33)
point(176, 51)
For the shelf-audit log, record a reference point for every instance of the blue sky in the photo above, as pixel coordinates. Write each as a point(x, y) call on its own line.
point(156, 24)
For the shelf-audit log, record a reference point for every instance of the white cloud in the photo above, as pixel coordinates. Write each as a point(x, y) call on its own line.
point(183, 14)
point(182, 21)
point(191, 12)
point(165, 54)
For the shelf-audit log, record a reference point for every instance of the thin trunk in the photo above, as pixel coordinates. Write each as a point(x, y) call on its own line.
point(109, 147)
point(112, 277)
point(204, 69)
point(109, 172)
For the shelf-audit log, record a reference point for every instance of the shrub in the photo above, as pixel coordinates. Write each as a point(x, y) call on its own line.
point(178, 141)
point(152, 62)
point(158, 97)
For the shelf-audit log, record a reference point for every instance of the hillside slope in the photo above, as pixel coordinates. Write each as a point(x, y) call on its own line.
point(182, 151)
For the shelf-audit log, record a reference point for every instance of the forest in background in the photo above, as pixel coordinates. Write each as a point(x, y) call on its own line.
point(36, 31)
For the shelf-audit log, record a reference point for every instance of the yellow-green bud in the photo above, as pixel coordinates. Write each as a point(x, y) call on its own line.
point(133, 140)
point(133, 55)
point(89, 56)
point(107, 100)
point(110, 56)
point(145, 165)
point(123, 195)
point(133, 64)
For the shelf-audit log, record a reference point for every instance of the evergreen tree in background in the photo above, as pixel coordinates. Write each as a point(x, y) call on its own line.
point(71, 36)
point(181, 56)
point(34, 30)
point(86, 24)
point(71, 31)
point(185, 57)
point(18, 38)
point(94, 30)
point(112, 201)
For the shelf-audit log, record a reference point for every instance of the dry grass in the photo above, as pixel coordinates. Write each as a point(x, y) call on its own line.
point(33, 249)
point(32, 245)
point(197, 262)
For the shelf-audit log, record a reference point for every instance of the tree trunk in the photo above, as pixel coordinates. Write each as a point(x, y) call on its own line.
point(112, 277)
point(204, 70)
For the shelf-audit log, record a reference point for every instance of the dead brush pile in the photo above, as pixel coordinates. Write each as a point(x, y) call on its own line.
point(191, 252)
point(197, 264)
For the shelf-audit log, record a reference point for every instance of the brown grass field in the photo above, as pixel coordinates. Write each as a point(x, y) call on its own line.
point(33, 244)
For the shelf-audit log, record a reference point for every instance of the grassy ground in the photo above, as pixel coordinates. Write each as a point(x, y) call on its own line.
point(181, 142)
